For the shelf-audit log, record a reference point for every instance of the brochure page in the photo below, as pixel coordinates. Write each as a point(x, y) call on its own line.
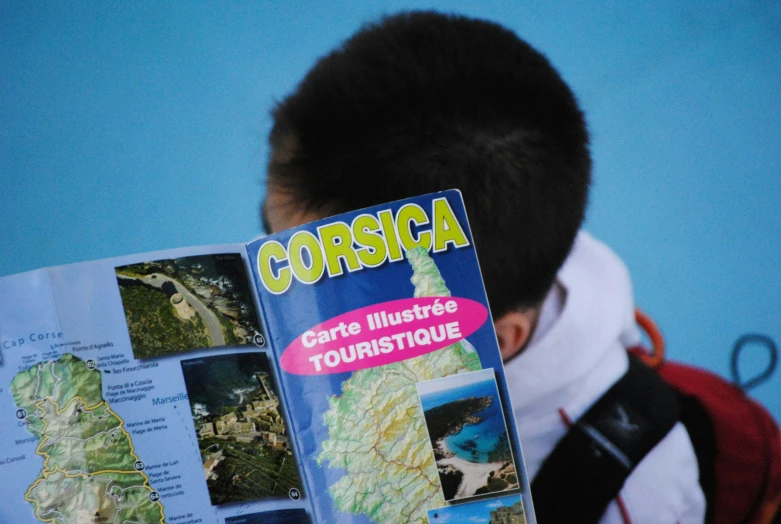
point(343, 371)
point(142, 389)
point(391, 368)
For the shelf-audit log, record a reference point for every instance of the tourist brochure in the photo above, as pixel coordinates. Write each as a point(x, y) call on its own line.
point(344, 371)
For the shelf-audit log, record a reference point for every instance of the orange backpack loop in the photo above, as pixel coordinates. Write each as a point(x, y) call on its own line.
point(655, 358)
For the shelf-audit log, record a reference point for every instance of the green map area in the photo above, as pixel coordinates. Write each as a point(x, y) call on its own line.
point(89, 471)
point(377, 432)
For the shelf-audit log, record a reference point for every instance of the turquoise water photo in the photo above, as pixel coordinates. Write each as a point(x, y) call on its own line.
point(502, 510)
point(477, 442)
point(468, 434)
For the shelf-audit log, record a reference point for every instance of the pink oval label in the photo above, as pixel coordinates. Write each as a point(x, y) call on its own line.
point(382, 334)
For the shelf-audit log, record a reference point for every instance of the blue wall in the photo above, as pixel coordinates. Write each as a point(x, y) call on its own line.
point(139, 126)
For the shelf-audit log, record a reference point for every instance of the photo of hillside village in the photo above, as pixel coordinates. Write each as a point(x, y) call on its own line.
point(181, 304)
point(242, 434)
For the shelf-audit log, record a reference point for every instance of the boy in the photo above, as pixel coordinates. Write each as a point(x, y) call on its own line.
point(422, 102)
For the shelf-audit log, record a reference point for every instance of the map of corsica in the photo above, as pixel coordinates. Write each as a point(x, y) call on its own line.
point(89, 469)
point(376, 429)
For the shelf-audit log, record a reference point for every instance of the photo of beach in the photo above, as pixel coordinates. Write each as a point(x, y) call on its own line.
point(181, 304)
point(502, 510)
point(468, 433)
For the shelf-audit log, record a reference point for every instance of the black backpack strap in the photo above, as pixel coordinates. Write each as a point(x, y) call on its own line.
point(588, 467)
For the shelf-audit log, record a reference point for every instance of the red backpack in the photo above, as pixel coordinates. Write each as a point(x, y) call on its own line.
point(737, 441)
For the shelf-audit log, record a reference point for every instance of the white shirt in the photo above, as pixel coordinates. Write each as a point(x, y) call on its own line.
point(576, 353)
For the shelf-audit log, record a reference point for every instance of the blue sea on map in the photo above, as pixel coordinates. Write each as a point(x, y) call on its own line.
point(475, 442)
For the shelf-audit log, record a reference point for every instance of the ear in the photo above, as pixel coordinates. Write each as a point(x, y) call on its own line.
point(513, 330)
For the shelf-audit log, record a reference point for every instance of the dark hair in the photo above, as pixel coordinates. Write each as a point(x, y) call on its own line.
point(423, 101)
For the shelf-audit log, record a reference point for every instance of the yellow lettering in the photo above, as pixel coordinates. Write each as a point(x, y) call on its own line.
point(446, 226)
point(407, 215)
point(391, 240)
point(269, 251)
point(373, 250)
point(304, 240)
point(368, 242)
point(338, 244)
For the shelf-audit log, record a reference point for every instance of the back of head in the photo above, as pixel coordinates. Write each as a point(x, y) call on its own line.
point(422, 102)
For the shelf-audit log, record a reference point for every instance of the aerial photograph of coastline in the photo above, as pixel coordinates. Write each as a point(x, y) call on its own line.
point(468, 432)
point(502, 510)
point(181, 304)
point(242, 434)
